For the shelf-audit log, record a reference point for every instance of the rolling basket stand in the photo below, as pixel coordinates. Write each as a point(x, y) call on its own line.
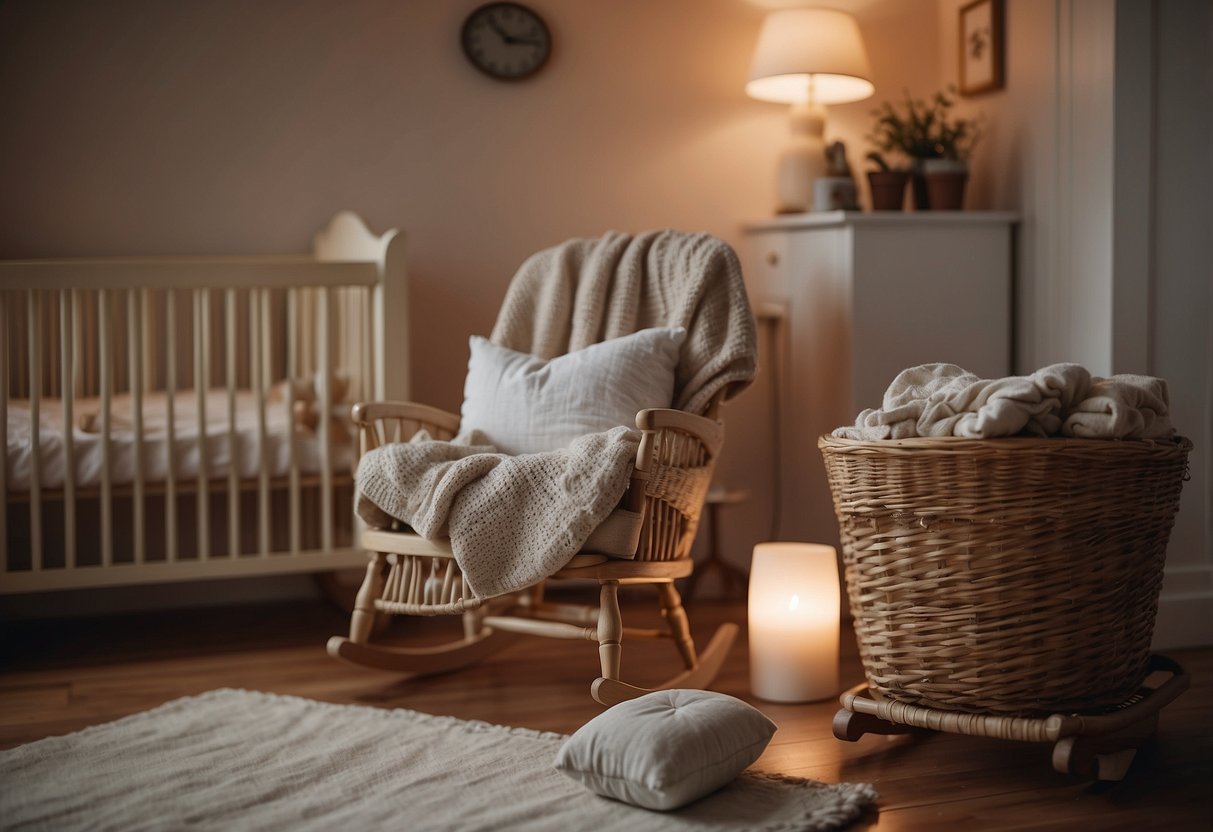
point(1090, 745)
point(1007, 588)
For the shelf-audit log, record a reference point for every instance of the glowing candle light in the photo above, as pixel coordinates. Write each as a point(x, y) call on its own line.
point(794, 619)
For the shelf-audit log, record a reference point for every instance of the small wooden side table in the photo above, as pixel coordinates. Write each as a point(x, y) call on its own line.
point(731, 578)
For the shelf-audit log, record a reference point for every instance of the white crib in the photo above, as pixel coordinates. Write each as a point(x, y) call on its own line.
point(179, 418)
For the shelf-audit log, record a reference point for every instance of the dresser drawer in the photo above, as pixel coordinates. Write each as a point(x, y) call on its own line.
point(766, 267)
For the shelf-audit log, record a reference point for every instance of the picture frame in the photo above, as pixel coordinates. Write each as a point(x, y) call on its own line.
point(981, 47)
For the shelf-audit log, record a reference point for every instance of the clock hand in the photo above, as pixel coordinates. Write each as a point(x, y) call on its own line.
point(509, 39)
point(496, 27)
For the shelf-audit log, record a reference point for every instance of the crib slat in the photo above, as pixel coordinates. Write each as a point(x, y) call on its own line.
point(367, 392)
point(292, 372)
point(88, 356)
point(107, 381)
point(48, 325)
point(67, 385)
point(254, 380)
point(170, 379)
point(147, 326)
point(18, 346)
point(202, 326)
point(233, 455)
point(254, 358)
point(367, 388)
point(35, 415)
point(323, 401)
point(77, 343)
point(135, 323)
point(262, 351)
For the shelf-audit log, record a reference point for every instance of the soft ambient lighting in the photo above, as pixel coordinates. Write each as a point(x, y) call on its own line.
point(807, 58)
point(810, 55)
point(794, 614)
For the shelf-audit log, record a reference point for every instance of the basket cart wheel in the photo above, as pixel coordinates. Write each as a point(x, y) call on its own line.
point(1103, 756)
point(849, 726)
point(1101, 746)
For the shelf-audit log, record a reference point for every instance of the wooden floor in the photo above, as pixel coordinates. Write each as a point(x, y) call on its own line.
point(60, 676)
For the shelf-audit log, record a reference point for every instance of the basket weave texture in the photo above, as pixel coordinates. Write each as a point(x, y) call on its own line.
point(1012, 576)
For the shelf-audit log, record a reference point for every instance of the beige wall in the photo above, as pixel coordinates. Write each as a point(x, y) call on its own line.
point(146, 127)
point(1180, 321)
point(220, 127)
point(1101, 141)
point(228, 126)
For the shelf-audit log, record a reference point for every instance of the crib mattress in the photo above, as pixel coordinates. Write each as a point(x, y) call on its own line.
point(218, 449)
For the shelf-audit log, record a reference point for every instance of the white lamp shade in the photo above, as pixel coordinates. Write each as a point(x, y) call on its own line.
point(810, 55)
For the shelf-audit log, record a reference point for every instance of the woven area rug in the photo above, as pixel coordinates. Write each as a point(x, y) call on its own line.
point(233, 759)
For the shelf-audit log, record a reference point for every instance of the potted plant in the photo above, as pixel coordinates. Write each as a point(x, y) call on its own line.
point(937, 144)
point(886, 184)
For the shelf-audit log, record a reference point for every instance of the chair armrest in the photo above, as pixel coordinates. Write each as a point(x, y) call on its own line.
point(708, 431)
point(652, 421)
point(366, 412)
point(377, 421)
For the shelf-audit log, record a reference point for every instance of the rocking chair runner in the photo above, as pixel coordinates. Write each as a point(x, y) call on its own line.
point(410, 575)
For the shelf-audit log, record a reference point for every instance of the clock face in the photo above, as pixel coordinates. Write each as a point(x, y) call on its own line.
point(506, 41)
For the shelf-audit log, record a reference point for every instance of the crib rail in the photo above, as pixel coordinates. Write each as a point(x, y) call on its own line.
point(148, 367)
point(270, 272)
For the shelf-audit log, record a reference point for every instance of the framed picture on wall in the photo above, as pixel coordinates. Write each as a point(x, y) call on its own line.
point(981, 47)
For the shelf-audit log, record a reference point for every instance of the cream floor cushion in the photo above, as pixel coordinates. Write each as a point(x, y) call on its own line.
point(666, 749)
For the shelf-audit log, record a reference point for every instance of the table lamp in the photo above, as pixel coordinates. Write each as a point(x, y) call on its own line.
point(807, 58)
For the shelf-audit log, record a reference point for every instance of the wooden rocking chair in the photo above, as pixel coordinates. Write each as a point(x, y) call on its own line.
point(657, 520)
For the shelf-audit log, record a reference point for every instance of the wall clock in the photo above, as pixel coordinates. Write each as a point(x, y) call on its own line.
point(506, 41)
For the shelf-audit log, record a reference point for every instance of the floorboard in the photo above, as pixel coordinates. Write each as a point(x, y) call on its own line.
point(60, 676)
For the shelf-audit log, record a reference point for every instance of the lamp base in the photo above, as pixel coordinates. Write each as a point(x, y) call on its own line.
point(803, 159)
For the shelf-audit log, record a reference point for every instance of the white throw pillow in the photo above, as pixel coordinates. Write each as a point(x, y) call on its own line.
point(523, 404)
point(665, 749)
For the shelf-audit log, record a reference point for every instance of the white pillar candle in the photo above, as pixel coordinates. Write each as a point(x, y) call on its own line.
point(794, 619)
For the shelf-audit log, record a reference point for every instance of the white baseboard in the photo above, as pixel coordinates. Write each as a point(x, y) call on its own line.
point(1185, 609)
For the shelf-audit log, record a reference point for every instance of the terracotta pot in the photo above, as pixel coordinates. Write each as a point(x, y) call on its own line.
point(944, 183)
point(918, 185)
point(888, 189)
point(946, 191)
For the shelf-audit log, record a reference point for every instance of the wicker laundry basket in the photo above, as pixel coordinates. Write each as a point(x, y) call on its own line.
point(1011, 576)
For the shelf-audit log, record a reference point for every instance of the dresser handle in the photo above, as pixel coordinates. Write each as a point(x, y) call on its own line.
point(772, 258)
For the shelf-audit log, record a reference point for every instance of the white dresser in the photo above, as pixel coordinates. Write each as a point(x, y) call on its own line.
point(862, 297)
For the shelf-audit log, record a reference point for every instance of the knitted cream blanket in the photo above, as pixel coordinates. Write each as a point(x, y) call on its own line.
point(512, 520)
point(581, 292)
point(945, 400)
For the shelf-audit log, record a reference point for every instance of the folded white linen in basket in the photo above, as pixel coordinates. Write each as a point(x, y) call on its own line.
point(512, 520)
point(946, 400)
point(1124, 406)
